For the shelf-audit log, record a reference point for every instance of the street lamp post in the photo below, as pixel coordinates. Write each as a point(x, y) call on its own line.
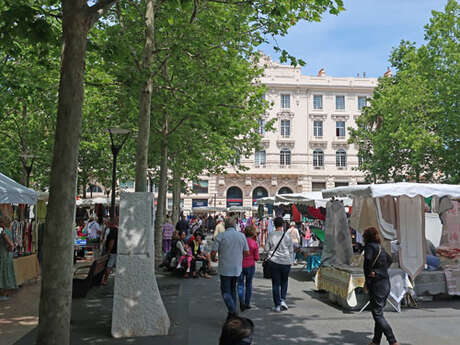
point(27, 168)
point(116, 146)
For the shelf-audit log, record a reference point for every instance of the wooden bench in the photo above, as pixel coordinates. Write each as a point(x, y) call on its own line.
point(82, 282)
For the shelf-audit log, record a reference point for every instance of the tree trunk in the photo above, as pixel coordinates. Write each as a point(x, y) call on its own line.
point(162, 191)
point(56, 274)
point(176, 196)
point(142, 143)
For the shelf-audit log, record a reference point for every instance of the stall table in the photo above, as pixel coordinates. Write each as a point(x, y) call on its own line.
point(26, 268)
point(341, 283)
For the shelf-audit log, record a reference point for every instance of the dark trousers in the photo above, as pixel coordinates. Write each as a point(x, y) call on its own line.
point(280, 275)
point(378, 294)
point(245, 281)
point(204, 267)
point(228, 290)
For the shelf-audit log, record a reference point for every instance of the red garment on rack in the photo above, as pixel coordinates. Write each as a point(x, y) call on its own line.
point(296, 217)
point(316, 213)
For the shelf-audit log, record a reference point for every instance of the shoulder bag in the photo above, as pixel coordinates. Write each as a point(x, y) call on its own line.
point(267, 264)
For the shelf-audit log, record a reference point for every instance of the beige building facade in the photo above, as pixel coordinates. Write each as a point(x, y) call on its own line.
point(309, 149)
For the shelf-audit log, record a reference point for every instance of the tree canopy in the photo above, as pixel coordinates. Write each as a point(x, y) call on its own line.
point(411, 129)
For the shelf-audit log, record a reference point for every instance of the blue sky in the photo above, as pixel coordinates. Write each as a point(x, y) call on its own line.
point(359, 39)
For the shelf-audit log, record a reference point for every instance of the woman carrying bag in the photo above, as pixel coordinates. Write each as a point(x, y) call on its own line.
point(280, 250)
point(376, 264)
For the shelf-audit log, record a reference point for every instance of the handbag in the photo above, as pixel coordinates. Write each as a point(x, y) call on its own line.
point(267, 264)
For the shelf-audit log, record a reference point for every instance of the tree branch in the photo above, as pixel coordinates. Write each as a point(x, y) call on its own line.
point(98, 9)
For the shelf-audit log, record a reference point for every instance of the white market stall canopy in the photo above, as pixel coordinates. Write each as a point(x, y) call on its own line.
point(94, 201)
point(208, 209)
point(12, 192)
point(314, 199)
point(242, 208)
point(395, 189)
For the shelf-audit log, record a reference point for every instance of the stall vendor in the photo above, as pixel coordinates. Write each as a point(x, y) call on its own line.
point(7, 275)
point(432, 261)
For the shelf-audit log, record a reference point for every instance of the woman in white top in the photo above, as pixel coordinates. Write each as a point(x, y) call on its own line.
point(295, 237)
point(281, 263)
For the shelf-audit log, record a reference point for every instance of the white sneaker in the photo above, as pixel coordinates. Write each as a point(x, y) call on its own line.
point(276, 309)
point(284, 305)
point(178, 266)
point(188, 270)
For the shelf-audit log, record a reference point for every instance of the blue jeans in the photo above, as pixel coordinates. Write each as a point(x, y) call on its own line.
point(280, 275)
point(247, 273)
point(228, 290)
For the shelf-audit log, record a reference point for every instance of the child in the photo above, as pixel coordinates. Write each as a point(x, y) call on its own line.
point(189, 256)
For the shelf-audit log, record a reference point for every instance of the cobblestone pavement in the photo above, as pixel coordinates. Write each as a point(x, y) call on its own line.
point(197, 314)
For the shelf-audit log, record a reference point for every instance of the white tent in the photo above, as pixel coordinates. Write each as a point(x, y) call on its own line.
point(395, 189)
point(206, 209)
point(94, 201)
point(12, 192)
point(314, 199)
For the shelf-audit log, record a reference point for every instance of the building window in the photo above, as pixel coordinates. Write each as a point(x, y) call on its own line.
point(318, 158)
point(261, 129)
point(341, 158)
point(341, 184)
point(285, 101)
point(285, 157)
point(234, 196)
point(340, 129)
point(260, 158)
point(318, 129)
point(362, 102)
point(285, 128)
point(200, 187)
point(285, 190)
point(236, 159)
point(199, 202)
point(317, 102)
point(318, 186)
point(340, 102)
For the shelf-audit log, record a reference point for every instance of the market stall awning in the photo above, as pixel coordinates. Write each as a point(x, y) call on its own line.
point(12, 192)
point(268, 200)
point(395, 189)
point(95, 201)
point(241, 208)
point(209, 209)
point(314, 199)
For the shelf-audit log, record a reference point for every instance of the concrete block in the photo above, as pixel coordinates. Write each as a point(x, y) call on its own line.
point(138, 309)
point(135, 234)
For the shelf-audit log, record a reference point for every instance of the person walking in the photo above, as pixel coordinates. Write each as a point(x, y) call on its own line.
point(376, 264)
point(231, 246)
point(249, 268)
point(281, 260)
point(7, 274)
point(295, 237)
point(168, 230)
point(220, 228)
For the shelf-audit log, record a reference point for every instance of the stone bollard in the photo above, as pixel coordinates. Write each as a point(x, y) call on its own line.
point(138, 309)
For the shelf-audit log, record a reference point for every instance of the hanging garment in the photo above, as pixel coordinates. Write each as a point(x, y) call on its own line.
point(316, 213)
point(450, 219)
point(296, 217)
point(356, 214)
point(441, 205)
point(387, 215)
point(337, 248)
point(411, 234)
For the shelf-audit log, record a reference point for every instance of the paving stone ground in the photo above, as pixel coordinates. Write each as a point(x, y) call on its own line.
point(197, 313)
